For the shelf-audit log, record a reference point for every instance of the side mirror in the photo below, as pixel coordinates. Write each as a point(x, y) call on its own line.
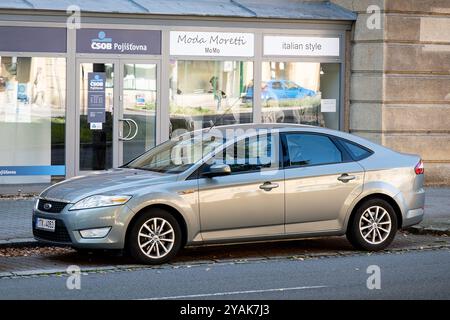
point(217, 170)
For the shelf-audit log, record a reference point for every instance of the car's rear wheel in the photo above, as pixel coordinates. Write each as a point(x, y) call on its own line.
point(155, 237)
point(373, 226)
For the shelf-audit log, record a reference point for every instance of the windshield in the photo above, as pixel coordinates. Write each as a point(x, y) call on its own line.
point(291, 85)
point(177, 154)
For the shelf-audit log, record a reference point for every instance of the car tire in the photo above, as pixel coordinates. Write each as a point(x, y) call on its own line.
point(150, 247)
point(373, 226)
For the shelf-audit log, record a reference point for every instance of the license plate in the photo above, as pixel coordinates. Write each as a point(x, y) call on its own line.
point(46, 224)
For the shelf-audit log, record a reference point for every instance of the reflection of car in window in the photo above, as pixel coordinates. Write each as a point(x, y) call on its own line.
point(279, 90)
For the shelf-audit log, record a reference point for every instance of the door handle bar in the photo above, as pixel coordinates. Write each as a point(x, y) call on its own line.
point(346, 178)
point(128, 121)
point(267, 186)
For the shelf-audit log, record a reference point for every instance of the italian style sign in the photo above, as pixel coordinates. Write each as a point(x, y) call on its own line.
point(116, 41)
point(216, 44)
point(301, 46)
point(96, 97)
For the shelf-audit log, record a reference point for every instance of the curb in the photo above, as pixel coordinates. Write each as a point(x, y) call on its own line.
point(203, 263)
point(20, 243)
point(31, 242)
point(423, 230)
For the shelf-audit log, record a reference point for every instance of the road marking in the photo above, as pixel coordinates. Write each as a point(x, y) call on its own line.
point(202, 295)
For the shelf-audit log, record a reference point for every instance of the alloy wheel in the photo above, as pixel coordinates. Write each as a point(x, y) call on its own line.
point(156, 238)
point(375, 225)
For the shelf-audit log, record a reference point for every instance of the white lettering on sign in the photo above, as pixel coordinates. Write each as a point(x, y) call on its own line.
point(211, 44)
point(301, 46)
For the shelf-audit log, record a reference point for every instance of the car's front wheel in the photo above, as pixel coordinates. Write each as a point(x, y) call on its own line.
point(154, 237)
point(373, 226)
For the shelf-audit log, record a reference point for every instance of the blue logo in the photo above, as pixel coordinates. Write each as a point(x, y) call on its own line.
point(102, 37)
point(96, 83)
point(102, 43)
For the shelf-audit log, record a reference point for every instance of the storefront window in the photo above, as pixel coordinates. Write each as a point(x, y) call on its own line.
point(32, 119)
point(206, 92)
point(301, 92)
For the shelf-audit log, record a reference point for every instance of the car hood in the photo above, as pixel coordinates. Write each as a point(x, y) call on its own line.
point(115, 181)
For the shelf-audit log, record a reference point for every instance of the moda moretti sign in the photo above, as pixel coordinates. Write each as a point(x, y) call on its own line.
point(301, 46)
point(116, 41)
point(211, 44)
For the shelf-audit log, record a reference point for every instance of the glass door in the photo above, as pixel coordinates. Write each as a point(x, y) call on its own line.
point(117, 102)
point(137, 118)
point(97, 146)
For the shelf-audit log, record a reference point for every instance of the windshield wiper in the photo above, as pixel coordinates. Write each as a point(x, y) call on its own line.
point(145, 169)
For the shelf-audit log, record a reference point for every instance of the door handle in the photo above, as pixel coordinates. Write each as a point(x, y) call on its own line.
point(346, 178)
point(128, 121)
point(268, 186)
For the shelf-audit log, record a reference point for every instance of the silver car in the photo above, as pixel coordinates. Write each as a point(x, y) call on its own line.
point(238, 183)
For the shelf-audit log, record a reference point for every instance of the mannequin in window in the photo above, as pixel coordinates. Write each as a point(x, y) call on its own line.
point(218, 93)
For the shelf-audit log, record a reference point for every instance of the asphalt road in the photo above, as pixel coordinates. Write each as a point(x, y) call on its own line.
point(406, 275)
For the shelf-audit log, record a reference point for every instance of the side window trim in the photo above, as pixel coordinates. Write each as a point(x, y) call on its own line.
point(343, 146)
point(346, 157)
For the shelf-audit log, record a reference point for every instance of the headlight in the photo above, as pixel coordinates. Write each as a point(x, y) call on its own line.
point(100, 201)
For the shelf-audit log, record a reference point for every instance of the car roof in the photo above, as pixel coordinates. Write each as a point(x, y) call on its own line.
point(288, 127)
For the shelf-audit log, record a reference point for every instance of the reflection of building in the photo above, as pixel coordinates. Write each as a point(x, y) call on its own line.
point(306, 74)
point(378, 83)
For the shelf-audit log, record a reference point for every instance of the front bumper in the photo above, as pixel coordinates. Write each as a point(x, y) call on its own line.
point(69, 224)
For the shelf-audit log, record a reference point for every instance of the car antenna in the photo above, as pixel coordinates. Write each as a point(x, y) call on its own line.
point(213, 123)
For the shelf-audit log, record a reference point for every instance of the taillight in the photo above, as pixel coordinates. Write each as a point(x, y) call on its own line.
point(419, 168)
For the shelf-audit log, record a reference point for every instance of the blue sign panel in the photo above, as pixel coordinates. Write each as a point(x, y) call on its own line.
point(33, 171)
point(119, 41)
point(96, 97)
point(33, 39)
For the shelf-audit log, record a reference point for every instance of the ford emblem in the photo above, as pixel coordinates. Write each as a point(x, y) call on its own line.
point(47, 206)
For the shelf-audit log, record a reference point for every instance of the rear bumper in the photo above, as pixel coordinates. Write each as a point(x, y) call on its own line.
point(412, 207)
point(413, 217)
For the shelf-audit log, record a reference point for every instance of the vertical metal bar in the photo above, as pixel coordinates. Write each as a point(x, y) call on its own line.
point(163, 107)
point(71, 105)
point(117, 112)
point(257, 74)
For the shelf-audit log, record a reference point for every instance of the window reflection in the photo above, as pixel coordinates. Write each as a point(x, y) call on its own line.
point(32, 115)
point(206, 92)
point(293, 92)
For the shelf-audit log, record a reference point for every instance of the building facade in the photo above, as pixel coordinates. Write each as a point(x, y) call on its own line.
point(83, 93)
point(400, 79)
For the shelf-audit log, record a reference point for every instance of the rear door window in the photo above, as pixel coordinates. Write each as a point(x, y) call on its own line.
point(305, 149)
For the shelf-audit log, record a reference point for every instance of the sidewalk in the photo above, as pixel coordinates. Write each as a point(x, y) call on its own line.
point(437, 212)
point(15, 217)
